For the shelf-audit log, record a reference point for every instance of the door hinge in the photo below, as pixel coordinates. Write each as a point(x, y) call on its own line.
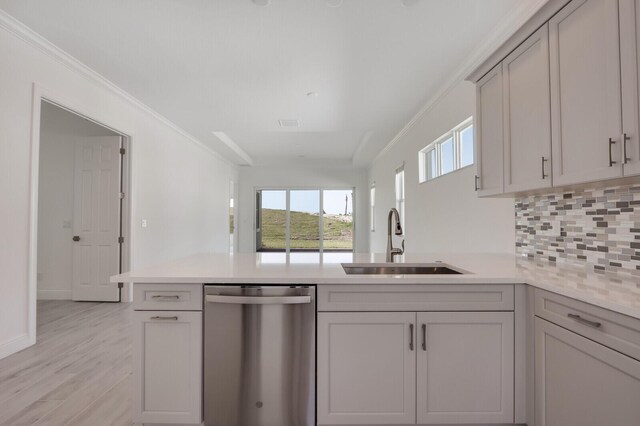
point(122, 151)
point(120, 240)
point(122, 195)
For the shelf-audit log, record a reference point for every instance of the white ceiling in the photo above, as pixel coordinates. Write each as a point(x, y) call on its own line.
point(231, 67)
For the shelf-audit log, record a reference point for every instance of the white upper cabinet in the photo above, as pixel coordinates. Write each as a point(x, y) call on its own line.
point(488, 128)
point(586, 116)
point(527, 105)
point(630, 53)
point(465, 367)
point(570, 101)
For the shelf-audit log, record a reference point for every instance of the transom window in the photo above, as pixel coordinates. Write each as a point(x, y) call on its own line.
point(372, 200)
point(400, 194)
point(450, 152)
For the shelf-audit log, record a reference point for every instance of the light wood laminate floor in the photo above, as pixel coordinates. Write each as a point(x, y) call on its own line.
point(79, 371)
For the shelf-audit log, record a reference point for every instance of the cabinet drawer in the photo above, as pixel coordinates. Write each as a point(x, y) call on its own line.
point(420, 297)
point(609, 328)
point(167, 297)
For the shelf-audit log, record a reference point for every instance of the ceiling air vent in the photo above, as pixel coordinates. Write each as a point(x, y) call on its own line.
point(289, 123)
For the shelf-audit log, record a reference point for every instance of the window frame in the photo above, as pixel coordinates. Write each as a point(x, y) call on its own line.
point(424, 165)
point(372, 207)
point(288, 189)
point(400, 198)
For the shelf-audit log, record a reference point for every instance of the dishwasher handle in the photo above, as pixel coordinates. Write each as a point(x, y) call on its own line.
point(258, 300)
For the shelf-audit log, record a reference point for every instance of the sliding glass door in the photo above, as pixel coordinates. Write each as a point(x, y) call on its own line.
point(271, 220)
point(304, 220)
point(338, 219)
point(309, 220)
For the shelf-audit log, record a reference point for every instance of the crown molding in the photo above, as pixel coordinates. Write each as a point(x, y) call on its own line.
point(490, 44)
point(26, 34)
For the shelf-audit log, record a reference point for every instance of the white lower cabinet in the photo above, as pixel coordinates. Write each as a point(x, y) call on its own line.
point(167, 354)
point(582, 383)
point(465, 367)
point(407, 368)
point(366, 368)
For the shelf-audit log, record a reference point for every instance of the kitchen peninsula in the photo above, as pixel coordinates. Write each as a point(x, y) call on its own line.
point(404, 349)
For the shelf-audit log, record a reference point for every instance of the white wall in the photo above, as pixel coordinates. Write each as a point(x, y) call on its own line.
point(180, 187)
point(300, 176)
point(442, 215)
point(59, 133)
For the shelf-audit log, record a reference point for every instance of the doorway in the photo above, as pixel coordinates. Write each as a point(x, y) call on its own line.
point(80, 241)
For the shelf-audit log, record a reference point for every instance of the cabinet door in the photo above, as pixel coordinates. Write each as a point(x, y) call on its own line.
point(630, 54)
point(167, 367)
point(366, 368)
point(488, 133)
point(527, 110)
point(465, 367)
point(585, 92)
point(582, 383)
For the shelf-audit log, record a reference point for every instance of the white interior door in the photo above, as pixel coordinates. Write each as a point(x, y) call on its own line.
point(96, 218)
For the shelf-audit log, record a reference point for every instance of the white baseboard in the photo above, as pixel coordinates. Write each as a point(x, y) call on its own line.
point(54, 294)
point(15, 345)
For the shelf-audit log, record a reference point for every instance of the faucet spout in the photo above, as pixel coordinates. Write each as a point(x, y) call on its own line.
point(393, 251)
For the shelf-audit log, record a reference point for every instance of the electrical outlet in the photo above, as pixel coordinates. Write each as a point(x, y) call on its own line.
point(144, 223)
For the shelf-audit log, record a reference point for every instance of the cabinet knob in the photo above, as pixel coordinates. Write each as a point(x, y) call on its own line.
point(76, 238)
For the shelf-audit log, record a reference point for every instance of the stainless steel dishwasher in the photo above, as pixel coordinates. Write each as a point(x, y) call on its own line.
point(259, 355)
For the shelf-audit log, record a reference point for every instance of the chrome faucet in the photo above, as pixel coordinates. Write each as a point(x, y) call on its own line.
point(391, 251)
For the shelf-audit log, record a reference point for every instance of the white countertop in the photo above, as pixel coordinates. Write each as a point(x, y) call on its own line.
point(618, 293)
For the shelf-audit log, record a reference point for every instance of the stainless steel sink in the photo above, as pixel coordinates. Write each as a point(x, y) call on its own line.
point(399, 269)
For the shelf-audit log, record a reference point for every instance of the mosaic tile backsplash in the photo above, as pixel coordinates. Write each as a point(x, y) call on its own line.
point(596, 227)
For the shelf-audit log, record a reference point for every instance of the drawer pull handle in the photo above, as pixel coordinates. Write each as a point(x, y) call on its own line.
point(161, 297)
point(611, 143)
point(411, 337)
point(581, 320)
point(625, 139)
point(165, 318)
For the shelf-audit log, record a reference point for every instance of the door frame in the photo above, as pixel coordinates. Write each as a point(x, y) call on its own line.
point(40, 94)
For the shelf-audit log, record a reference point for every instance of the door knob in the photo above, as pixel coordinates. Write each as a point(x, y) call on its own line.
point(76, 238)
